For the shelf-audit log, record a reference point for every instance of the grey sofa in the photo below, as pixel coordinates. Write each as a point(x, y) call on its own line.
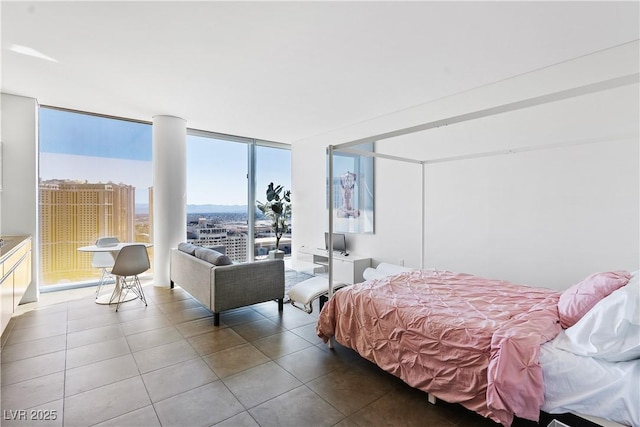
point(218, 284)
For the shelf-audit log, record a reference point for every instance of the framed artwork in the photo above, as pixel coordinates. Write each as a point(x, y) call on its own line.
point(353, 192)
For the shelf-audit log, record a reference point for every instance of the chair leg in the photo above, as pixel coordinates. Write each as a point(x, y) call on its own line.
point(138, 290)
point(115, 295)
point(99, 284)
point(103, 279)
point(216, 319)
point(280, 304)
point(124, 290)
point(133, 286)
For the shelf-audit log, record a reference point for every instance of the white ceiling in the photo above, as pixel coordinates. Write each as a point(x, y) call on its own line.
point(284, 71)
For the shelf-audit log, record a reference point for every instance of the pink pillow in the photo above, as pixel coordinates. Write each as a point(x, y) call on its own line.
point(581, 297)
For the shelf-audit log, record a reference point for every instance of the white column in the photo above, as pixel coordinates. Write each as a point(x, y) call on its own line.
point(169, 192)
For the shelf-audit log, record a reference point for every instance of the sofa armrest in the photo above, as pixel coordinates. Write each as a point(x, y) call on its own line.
point(191, 274)
point(248, 283)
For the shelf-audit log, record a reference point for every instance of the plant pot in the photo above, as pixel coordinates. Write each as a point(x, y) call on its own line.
point(276, 254)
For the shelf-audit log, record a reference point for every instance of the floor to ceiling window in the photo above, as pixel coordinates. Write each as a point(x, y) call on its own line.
point(220, 177)
point(217, 194)
point(272, 165)
point(94, 176)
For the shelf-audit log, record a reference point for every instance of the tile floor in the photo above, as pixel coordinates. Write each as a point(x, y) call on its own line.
point(67, 361)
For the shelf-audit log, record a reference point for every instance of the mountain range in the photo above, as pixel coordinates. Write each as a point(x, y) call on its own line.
point(143, 208)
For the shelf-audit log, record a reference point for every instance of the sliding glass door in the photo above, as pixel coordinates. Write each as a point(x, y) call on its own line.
point(226, 177)
point(217, 193)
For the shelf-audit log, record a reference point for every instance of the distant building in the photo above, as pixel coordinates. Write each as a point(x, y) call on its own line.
point(74, 214)
point(234, 236)
point(207, 234)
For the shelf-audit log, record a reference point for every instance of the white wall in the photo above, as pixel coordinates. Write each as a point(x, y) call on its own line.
point(546, 217)
point(19, 196)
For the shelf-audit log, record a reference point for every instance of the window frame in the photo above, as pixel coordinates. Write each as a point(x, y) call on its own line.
point(252, 144)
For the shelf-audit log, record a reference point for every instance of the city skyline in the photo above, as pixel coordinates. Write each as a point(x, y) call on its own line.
point(75, 213)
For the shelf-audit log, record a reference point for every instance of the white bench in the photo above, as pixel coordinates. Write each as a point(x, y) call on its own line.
point(302, 294)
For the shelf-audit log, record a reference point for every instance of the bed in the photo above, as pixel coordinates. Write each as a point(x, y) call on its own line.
point(488, 344)
point(475, 341)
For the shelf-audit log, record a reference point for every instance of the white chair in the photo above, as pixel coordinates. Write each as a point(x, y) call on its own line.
point(131, 261)
point(104, 261)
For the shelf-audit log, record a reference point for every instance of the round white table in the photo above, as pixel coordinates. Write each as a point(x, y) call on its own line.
point(113, 250)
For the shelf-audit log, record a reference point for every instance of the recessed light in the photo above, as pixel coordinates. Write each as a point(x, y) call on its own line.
point(24, 50)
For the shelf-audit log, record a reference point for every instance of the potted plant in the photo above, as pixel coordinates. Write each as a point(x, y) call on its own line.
point(278, 209)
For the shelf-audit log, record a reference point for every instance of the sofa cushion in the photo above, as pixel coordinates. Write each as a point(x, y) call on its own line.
point(213, 257)
point(222, 249)
point(188, 248)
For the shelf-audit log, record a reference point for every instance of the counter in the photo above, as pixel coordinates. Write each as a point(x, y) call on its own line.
point(15, 270)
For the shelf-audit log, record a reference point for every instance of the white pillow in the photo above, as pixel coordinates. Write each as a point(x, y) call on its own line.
point(384, 269)
point(610, 330)
point(371, 274)
point(391, 269)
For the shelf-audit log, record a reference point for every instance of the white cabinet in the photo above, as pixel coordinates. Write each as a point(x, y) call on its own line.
point(346, 268)
point(15, 265)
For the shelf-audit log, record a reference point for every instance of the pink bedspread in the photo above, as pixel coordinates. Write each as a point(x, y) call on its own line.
point(462, 338)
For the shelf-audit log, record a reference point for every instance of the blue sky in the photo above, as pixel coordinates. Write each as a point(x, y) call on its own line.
point(96, 149)
point(85, 135)
point(217, 171)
